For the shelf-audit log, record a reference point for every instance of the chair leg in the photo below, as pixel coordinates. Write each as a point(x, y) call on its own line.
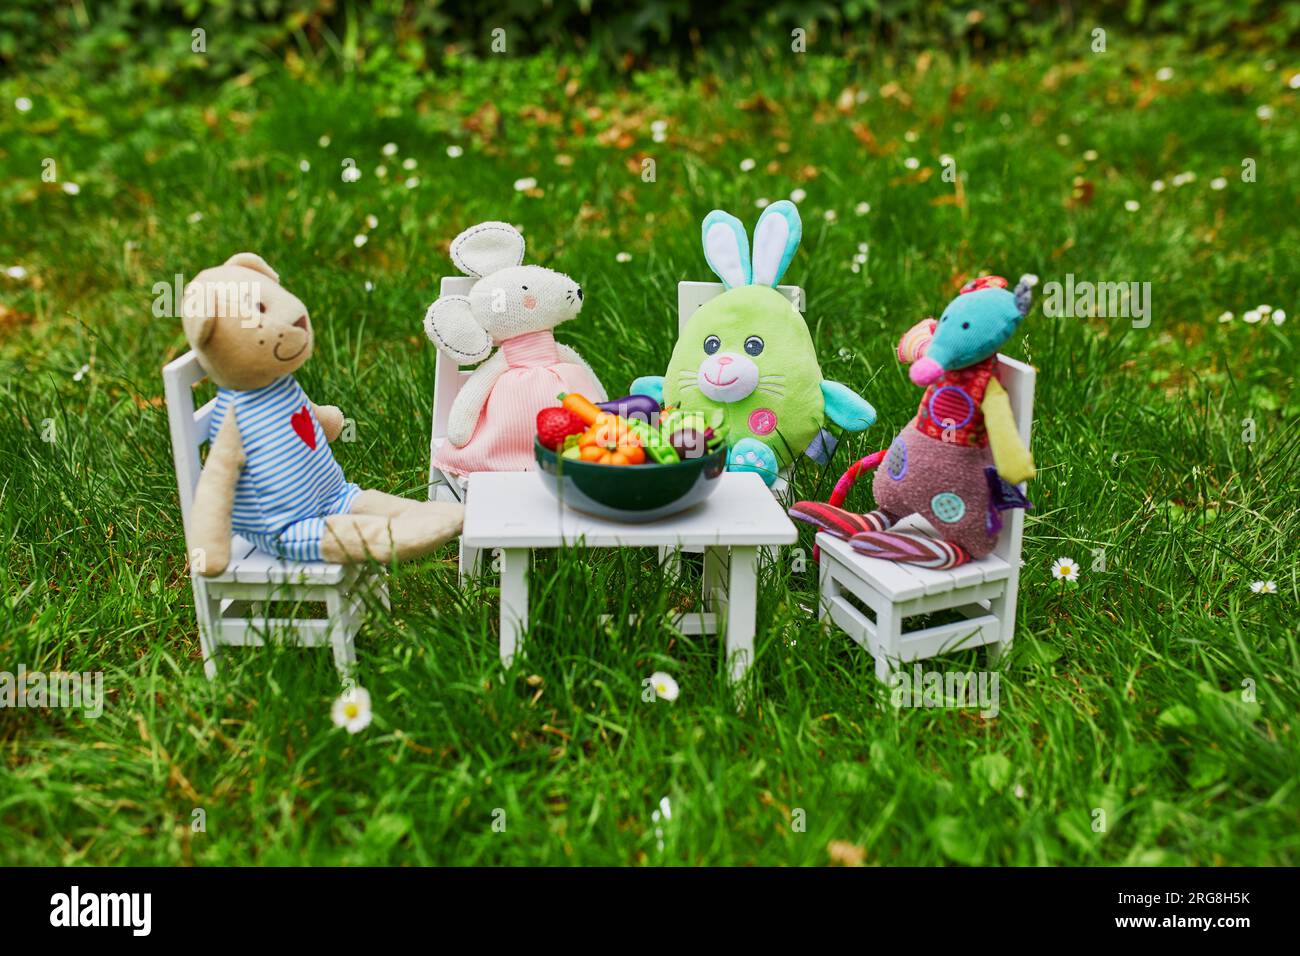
point(470, 563)
point(998, 607)
point(208, 612)
point(344, 623)
point(889, 638)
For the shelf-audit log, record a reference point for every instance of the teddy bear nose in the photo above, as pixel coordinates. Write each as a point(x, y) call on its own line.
point(301, 323)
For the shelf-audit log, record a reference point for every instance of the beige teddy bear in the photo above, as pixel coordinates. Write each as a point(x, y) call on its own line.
point(269, 476)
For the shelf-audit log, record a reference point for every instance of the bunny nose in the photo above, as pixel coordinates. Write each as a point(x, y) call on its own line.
point(724, 360)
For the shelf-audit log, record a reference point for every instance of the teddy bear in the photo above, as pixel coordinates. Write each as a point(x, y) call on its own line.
point(270, 476)
point(490, 426)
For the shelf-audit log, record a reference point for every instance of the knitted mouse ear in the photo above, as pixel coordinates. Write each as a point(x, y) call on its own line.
point(1024, 293)
point(487, 248)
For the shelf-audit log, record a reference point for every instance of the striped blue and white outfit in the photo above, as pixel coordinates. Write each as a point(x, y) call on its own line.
point(290, 481)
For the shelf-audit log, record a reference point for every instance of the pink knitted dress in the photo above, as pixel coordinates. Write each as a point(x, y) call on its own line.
point(503, 438)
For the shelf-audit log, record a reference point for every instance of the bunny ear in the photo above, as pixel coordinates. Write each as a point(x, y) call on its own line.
point(776, 237)
point(487, 248)
point(726, 248)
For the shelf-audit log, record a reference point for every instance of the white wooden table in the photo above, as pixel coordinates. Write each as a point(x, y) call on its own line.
point(514, 512)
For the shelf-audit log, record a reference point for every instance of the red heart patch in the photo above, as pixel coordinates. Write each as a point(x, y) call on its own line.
point(304, 426)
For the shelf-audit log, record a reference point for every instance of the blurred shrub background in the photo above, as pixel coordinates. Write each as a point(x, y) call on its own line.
point(399, 34)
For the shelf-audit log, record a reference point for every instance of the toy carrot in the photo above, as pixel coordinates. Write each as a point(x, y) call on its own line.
point(649, 438)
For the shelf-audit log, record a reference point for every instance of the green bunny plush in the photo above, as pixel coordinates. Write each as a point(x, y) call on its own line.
point(746, 355)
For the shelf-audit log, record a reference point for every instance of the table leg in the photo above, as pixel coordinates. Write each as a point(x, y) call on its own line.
point(514, 600)
point(714, 576)
point(742, 604)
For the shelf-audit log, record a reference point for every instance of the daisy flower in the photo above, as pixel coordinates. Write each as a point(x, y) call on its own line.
point(71, 188)
point(390, 149)
point(623, 257)
point(22, 104)
point(912, 162)
point(1278, 316)
point(1263, 587)
point(798, 195)
point(1132, 205)
point(359, 240)
point(525, 184)
point(746, 165)
point(352, 710)
point(1225, 317)
point(664, 685)
point(455, 152)
point(862, 208)
point(1065, 569)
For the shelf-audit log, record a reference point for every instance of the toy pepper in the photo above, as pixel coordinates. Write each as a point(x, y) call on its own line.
point(957, 463)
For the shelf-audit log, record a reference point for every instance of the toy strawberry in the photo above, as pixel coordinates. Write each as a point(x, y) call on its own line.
point(556, 424)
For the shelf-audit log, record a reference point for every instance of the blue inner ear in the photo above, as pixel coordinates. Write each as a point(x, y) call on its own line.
point(726, 248)
point(771, 256)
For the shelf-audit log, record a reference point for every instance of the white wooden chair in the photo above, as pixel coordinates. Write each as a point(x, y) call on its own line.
point(983, 592)
point(448, 377)
point(231, 607)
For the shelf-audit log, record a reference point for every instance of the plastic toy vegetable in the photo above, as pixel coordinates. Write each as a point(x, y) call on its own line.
point(641, 408)
point(648, 437)
point(609, 442)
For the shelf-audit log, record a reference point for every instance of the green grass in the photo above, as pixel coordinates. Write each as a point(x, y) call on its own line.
point(1122, 693)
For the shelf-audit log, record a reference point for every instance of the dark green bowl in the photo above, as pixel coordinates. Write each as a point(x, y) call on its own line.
point(632, 493)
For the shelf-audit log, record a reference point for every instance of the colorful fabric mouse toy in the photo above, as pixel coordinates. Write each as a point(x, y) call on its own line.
point(492, 420)
point(746, 355)
point(269, 474)
point(959, 460)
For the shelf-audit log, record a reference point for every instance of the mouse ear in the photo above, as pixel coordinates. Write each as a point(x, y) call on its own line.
point(1024, 293)
point(776, 238)
point(726, 248)
point(451, 326)
point(487, 248)
point(251, 260)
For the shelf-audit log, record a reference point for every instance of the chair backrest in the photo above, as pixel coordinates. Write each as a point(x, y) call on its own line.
point(692, 295)
point(1018, 379)
point(189, 427)
point(448, 376)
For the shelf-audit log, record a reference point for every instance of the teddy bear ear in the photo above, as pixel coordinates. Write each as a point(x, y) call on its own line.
point(251, 260)
point(451, 326)
point(487, 248)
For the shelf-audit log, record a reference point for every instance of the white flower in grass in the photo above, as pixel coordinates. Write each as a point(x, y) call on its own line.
point(911, 136)
point(370, 286)
point(455, 152)
point(1182, 179)
point(1251, 316)
point(862, 208)
point(352, 710)
point(409, 164)
point(662, 815)
point(381, 171)
point(16, 272)
point(746, 165)
point(412, 182)
point(659, 130)
point(762, 203)
point(1065, 569)
point(1263, 587)
point(1132, 205)
point(372, 221)
point(1264, 310)
point(1063, 139)
point(1019, 792)
point(80, 373)
point(664, 686)
point(798, 195)
point(855, 268)
point(304, 166)
point(22, 104)
point(1264, 112)
point(1294, 82)
point(1165, 74)
point(1278, 316)
point(1218, 182)
point(912, 162)
point(194, 218)
point(351, 174)
point(525, 184)
point(623, 257)
point(71, 188)
point(830, 215)
point(324, 141)
point(359, 240)
point(1225, 317)
point(1090, 156)
point(390, 149)
point(1157, 185)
